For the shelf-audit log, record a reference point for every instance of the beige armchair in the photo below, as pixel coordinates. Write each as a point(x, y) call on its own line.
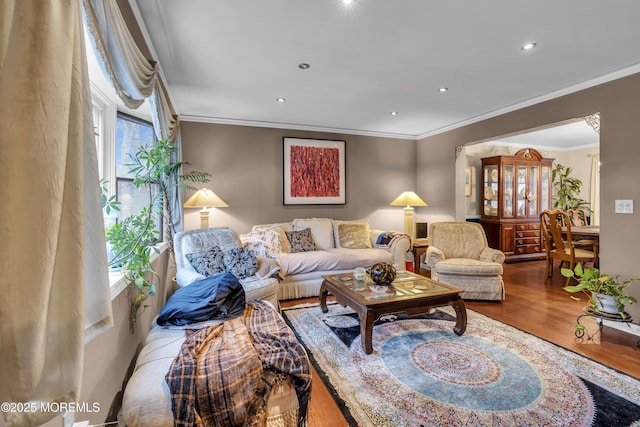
point(459, 255)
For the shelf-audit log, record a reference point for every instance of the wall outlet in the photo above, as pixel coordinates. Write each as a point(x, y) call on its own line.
point(624, 206)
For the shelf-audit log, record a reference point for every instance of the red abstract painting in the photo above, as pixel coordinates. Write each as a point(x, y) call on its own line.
point(315, 171)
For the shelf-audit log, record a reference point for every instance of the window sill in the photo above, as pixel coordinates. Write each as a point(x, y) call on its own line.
point(117, 282)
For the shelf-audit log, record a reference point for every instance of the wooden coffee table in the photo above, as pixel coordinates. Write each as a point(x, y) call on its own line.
point(410, 293)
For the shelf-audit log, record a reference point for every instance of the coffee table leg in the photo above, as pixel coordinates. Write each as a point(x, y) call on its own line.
point(323, 297)
point(366, 331)
point(461, 316)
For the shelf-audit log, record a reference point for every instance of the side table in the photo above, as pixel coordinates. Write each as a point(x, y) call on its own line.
point(418, 250)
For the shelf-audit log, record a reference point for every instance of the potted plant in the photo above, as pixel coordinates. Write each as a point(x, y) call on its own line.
point(131, 240)
point(566, 190)
point(607, 294)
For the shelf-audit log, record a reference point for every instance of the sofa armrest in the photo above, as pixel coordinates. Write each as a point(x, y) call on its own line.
point(267, 267)
point(433, 256)
point(185, 277)
point(492, 255)
point(398, 247)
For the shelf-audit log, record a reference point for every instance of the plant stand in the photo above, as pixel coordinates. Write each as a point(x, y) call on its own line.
point(599, 318)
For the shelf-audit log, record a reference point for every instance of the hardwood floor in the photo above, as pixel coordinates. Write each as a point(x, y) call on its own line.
point(546, 311)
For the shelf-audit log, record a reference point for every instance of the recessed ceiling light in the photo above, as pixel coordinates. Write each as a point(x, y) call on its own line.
point(528, 46)
point(303, 65)
point(347, 2)
point(280, 99)
point(443, 89)
point(394, 113)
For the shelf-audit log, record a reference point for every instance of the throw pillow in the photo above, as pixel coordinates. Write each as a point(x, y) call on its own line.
point(266, 243)
point(301, 241)
point(279, 228)
point(241, 262)
point(207, 262)
point(353, 236)
point(321, 230)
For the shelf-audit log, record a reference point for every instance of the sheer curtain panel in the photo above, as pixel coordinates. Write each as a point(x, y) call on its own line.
point(52, 256)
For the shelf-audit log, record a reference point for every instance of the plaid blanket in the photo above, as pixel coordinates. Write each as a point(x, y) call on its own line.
point(224, 374)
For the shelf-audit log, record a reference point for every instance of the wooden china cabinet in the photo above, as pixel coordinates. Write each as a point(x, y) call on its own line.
point(515, 189)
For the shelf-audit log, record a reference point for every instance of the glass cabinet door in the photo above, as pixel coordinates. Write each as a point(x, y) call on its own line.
point(507, 190)
point(521, 188)
point(490, 189)
point(532, 194)
point(545, 190)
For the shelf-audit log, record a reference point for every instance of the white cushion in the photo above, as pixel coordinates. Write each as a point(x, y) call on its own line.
point(321, 229)
point(331, 259)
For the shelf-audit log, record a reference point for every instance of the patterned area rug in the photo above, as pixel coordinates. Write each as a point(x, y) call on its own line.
point(422, 374)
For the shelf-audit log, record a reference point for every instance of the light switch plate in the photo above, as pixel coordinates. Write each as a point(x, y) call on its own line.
point(624, 206)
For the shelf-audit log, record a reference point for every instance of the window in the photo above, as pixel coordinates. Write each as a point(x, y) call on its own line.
point(131, 134)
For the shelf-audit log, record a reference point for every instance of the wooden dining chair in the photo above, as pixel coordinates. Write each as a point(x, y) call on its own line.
point(578, 217)
point(559, 244)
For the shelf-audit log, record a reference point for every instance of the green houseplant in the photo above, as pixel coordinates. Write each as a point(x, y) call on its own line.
point(131, 240)
point(598, 287)
point(566, 190)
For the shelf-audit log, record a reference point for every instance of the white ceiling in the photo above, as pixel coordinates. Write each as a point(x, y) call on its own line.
point(226, 61)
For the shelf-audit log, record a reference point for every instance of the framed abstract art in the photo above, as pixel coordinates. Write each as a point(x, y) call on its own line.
point(314, 172)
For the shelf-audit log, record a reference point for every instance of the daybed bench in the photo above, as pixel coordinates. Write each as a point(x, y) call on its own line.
point(247, 352)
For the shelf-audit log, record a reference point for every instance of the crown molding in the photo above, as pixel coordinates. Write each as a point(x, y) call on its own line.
point(290, 126)
point(537, 100)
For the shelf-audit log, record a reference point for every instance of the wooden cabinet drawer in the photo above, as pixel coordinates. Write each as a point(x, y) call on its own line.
point(528, 241)
point(531, 226)
point(528, 249)
point(528, 233)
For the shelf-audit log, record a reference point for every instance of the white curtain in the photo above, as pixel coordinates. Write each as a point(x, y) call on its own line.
point(595, 189)
point(133, 76)
point(52, 255)
point(167, 126)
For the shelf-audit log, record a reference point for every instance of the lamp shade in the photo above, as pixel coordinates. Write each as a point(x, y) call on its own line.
point(205, 198)
point(408, 198)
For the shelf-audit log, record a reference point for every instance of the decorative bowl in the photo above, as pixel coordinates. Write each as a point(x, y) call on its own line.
point(382, 273)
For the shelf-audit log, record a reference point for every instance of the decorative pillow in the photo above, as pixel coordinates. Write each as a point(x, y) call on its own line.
point(352, 234)
point(207, 262)
point(266, 243)
point(279, 228)
point(321, 230)
point(301, 241)
point(241, 262)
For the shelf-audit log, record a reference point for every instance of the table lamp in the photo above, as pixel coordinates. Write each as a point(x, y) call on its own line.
point(408, 199)
point(205, 198)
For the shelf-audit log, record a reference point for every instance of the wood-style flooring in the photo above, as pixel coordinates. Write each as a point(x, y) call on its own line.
point(546, 311)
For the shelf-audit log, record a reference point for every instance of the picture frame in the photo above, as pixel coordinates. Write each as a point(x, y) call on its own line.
point(313, 172)
point(468, 181)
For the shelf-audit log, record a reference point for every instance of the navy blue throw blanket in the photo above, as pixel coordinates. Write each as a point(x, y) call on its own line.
point(216, 297)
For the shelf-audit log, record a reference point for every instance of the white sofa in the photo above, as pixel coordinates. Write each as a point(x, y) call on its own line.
point(341, 246)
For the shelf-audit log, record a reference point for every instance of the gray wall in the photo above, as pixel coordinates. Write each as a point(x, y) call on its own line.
point(246, 164)
point(619, 105)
